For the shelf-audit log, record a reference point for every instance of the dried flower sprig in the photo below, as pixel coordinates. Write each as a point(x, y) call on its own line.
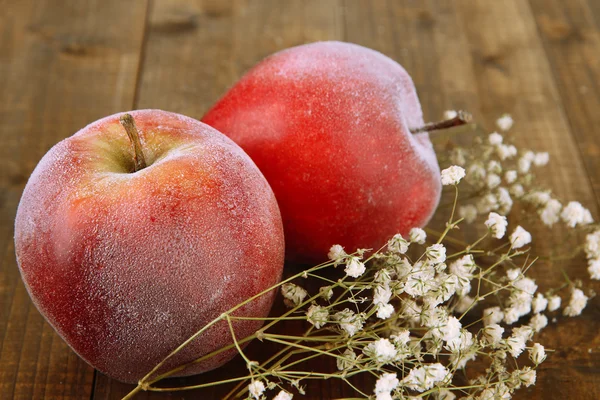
point(404, 314)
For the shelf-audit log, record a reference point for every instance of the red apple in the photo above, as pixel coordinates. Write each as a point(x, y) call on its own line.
point(329, 126)
point(127, 264)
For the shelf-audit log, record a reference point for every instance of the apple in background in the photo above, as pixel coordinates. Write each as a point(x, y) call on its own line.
point(128, 255)
point(329, 125)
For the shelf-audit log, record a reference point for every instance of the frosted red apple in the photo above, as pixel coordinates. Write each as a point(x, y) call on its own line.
point(127, 265)
point(329, 126)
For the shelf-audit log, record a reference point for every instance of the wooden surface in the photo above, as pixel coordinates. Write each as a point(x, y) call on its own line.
point(65, 63)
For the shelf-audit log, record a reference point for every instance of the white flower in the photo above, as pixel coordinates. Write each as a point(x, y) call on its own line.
point(476, 174)
point(594, 268)
point(457, 156)
point(354, 267)
point(505, 122)
point(526, 285)
point(496, 223)
point(510, 176)
point(384, 396)
point(256, 389)
point(417, 235)
point(293, 295)
point(381, 350)
point(504, 200)
point(492, 315)
point(576, 304)
point(524, 165)
point(436, 253)
point(384, 311)
point(449, 114)
point(554, 303)
point(527, 376)
point(592, 245)
point(541, 159)
point(452, 175)
point(337, 254)
point(397, 244)
point(574, 214)
point(326, 292)
point(538, 322)
point(451, 330)
point(539, 303)
point(551, 212)
point(445, 394)
point(424, 378)
point(382, 294)
point(524, 331)
point(495, 138)
point(468, 213)
point(506, 151)
point(538, 198)
point(346, 361)
point(517, 190)
point(537, 354)
point(513, 273)
point(494, 167)
point(386, 383)
point(317, 316)
point(493, 181)
point(487, 203)
point(519, 238)
point(283, 395)
point(493, 334)
point(515, 345)
point(349, 322)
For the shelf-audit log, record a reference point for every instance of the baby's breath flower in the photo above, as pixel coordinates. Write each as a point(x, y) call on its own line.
point(524, 165)
point(538, 322)
point(476, 174)
point(576, 304)
point(386, 383)
point(354, 267)
point(506, 152)
point(492, 315)
point(464, 303)
point(424, 378)
point(436, 253)
point(337, 254)
point(293, 294)
point(349, 321)
point(492, 334)
point(494, 167)
point(496, 223)
point(510, 176)
point(524, 331)
point(487, 203)
point(347, 360)
point(401, 337)
point(513, 273)
point(468, 213)
point(493, 181)
point(256, 389)
point(538, 198)
point(527, 376)
point(517, 190)
point(449, 114)
point(505, 202)
point(594, 268)
point(382, 294)
point(519, 238)
point(495, 138)
point(539, 303)
point(445, 394)
point(551, 212)
point(554, 303)
point(592, 245)
point(283, 395)
point(317, 315)
point(574, 214)
point(537, 354)
point(417, 235)
point(397, 244)
point(515, 345)
point(384, 311)
point(541, 159)
point(381, 350)
point(452, 175)
point(505, 122)
point(457, 156)
point(326, 292)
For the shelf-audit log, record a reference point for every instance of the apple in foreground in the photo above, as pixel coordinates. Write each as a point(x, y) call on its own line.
point(329, 125)
point(127, 254)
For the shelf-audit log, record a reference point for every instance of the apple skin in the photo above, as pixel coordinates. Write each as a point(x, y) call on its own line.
point(328, 125)
point(126, 266)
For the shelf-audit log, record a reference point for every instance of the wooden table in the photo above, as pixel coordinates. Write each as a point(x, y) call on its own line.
point(66, 63)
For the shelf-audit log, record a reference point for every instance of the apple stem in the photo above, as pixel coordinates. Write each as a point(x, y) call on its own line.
point(462, 118)
point(129, 124)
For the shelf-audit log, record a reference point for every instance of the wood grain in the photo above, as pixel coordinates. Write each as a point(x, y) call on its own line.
point(60, 69)
point(64, 64)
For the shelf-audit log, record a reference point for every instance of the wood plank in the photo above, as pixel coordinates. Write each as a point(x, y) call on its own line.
point(61, 67)
point(569, 32)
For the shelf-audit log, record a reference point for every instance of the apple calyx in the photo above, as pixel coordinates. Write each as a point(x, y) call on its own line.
point(139, 161)
point(461, 118)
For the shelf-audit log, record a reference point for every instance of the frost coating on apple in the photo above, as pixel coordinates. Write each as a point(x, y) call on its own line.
point(127, 265)
point(329, 125)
